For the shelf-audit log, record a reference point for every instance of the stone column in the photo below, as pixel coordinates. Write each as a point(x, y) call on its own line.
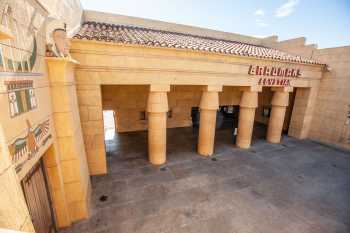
point(157, 108)
point(209, 105)
point(247, 106)
point(280, 100)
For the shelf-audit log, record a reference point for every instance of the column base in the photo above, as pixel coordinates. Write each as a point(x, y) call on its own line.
point(243, 144)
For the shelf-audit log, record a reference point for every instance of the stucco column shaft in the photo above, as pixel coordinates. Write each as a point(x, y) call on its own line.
point(208, 107)
point(248, 104)
point(279, 104)
point(157, 108)
point(157, 137)
point(206, 136)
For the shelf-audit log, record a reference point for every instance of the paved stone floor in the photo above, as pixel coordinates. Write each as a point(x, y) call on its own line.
point(296, 186)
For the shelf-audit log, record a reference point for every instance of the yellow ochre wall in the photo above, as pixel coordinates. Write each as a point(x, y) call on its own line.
point(26, 21)
point(330, 122)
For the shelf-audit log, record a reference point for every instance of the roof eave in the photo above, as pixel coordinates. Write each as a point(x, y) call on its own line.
point(196, 51)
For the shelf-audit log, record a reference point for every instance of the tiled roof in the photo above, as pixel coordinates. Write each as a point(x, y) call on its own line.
point(151, 37)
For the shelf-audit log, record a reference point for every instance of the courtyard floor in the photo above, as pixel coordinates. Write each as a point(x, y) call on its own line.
point(297, 186)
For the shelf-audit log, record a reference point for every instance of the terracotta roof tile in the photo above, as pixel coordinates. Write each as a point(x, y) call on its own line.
point(151, 37)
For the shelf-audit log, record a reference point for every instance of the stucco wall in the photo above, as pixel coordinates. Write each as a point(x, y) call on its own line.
point(23, 60)
point(331, 119)
point(296, 46)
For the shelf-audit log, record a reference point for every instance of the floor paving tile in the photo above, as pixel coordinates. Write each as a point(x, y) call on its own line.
point(293, 187)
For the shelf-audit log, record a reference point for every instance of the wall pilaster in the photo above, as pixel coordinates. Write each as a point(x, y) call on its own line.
point(66, 117)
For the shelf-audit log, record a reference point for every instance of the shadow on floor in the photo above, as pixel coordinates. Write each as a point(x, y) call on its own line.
point(296, 186)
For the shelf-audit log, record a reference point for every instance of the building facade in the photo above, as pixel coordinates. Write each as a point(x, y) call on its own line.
point(152, 74)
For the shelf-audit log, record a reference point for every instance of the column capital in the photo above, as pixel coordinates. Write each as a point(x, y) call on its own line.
point(157, 102)
point(251, 89)
point(249, 99)
point(282, 89)
point(159, 88)
point(280, 98)
point(209, 100)
point(213, 88)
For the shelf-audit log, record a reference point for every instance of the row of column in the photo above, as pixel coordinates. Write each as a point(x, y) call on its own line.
point(157, 108)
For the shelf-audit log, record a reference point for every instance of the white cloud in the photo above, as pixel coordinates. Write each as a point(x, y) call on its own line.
point(259, 12)
point(261, 23)
point(260, 36)
point(286, 9)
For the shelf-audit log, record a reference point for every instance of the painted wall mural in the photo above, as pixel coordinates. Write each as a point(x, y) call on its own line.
point(20, 54)
point(25, 148)
point(21, 96)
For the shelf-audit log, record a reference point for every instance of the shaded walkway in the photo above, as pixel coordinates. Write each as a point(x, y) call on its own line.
point(296, 186)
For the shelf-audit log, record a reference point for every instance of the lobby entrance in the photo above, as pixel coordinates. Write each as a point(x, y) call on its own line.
point(129, 117)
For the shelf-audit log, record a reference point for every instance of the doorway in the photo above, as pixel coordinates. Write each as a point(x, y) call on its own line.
point(37, 197)
point(110, 131)
point(109, 124)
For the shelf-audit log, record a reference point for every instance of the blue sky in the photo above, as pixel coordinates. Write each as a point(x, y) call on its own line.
point(324, 22)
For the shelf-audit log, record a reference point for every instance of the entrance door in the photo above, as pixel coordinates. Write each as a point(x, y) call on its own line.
point(37, 197)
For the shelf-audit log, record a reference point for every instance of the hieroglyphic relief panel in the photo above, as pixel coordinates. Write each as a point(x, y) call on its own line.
point(21, 96)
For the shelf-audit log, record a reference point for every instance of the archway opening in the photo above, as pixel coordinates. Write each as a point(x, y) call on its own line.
point(125, 122)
